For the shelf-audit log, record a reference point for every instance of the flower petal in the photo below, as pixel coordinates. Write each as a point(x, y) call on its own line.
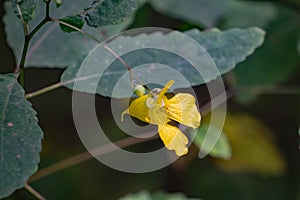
point(139, 109)
point(182, 108)
point(158, 115)
point(173, 139)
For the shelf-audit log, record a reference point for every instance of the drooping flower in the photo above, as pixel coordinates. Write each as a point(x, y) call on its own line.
point(155, 108)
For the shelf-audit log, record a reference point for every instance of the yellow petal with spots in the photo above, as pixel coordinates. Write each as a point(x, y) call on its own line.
point(182, 108)
point(173, 139)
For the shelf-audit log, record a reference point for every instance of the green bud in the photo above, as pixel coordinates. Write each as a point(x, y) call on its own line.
point(58, 3)
point(139, 90)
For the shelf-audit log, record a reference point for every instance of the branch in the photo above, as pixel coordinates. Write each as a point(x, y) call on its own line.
point(34, 192)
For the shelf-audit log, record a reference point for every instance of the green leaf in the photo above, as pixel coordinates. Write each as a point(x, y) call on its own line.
point(145, 195)
point(50, 47)
point(109, 12)
point(27, 8)
point(20, 136)
point(271, 65)
point(205, 140)
point(209, 13)
point(198, 12)
point(248, 13)
point(226, 48)
point(74, 20)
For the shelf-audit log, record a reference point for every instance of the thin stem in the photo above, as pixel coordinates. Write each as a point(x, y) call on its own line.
point(269, 90)
point(44, 90)
point(43, 22)
point(34, 192)
point(101, 43)
point(24, 23)
point(123, 143)
point(20, 68)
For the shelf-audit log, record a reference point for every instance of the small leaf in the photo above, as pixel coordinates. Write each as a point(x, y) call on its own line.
point(20, 136)
point(109, 12)
point(205, 140)
point(27, 8)
point(74, 20)
point(226, 48)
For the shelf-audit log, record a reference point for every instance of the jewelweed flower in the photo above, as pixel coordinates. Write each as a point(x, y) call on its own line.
point(155, 108)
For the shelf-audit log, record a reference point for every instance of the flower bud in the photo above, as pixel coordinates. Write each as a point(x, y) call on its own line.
point(139, 90)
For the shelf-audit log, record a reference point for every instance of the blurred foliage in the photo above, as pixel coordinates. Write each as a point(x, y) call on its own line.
point(253, 146)
point(145, 195)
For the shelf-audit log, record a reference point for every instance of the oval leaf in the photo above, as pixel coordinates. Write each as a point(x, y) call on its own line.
point(226, 48)
point(20, 136)
point(74, 20)
point(221, 149)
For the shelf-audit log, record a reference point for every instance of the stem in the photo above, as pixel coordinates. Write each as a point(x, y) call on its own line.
point(123, 143)
point(268, 90)
point(20, 68)
point(34, 192)
point(101, 43)
point(44, 90)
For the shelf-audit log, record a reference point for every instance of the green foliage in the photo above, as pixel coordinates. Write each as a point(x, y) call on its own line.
point(275, 61)
point(50, 47)
point(206, 13)
point(205, 138)
point(226, 48)
point(145, 195)
point(253, 147)
point(74, 20)
point(248, 13)
point(20, 136)
point(209, 13)
point(109, 12)
point(27, 8)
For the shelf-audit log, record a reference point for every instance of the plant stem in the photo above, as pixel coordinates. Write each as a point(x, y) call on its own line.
point(27, 37)
point(101, 43)
point(34, 192)
point(123, 143)
point(268, 90)
point(44, 90)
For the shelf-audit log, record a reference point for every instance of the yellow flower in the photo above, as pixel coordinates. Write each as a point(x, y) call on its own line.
point(156, 108)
